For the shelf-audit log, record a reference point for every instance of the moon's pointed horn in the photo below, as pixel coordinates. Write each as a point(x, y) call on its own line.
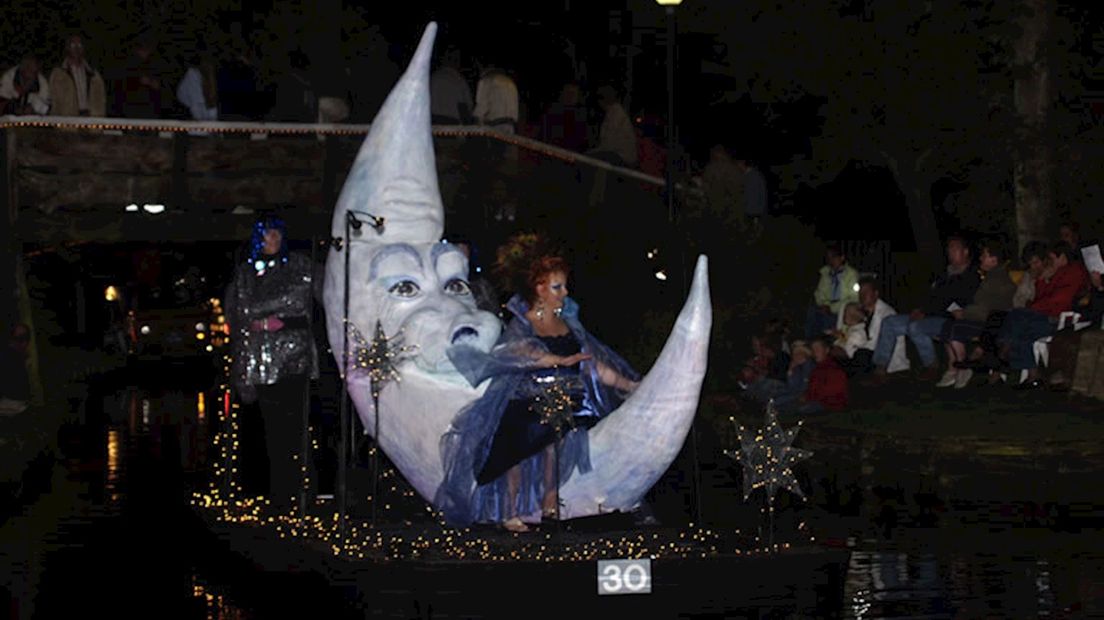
point(632, 447)
point(394, 175)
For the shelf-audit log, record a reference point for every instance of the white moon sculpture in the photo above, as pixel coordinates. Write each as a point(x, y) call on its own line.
point(406, 278)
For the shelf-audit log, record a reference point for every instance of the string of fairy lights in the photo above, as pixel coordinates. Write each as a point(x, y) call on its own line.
point(439, 541)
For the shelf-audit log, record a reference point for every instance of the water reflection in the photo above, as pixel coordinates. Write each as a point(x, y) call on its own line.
point(114, 457)
point(892, 584)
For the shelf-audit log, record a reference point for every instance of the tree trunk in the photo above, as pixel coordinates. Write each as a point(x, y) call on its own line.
point(916, 186)
point(1032, 170)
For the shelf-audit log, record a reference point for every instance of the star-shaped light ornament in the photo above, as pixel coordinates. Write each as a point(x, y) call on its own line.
point(379, 357)
point(767, 457)
point(554, 407)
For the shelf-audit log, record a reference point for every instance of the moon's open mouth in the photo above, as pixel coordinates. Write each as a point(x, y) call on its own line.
point(465, 335)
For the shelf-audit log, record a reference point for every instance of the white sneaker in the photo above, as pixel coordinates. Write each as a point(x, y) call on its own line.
point(963, 378)
point(948, 379)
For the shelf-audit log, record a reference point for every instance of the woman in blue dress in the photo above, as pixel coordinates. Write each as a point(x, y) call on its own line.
point(550, 382)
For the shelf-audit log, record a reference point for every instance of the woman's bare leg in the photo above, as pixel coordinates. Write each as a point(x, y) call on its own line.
point(511, 520)
point(551, 491)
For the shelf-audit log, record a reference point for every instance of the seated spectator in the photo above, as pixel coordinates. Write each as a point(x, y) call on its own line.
point(827, 389)
point(984, 355)
point(15, 384)
point(768, 361)
point(838, 285)
point(852, 334)
point(1067, 342)
point(786, 393)
point(874, 311)
point(1063, 279)
point(1070, 234)
point(24, 90)
point(952, 290)
point(1033, 258)
point(994, 295)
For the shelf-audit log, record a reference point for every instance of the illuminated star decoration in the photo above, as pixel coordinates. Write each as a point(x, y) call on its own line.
point(767, 457)
point(553, 406)
point(380, 357)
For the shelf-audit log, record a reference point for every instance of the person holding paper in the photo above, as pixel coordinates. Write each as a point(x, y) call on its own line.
point(1092, 259)
point(1063, 280)
point(1066, 344)
point(952, 290)
point(994, 294)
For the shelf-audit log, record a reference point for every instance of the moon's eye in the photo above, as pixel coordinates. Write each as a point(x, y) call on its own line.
point(456, 286)
point(405, 288)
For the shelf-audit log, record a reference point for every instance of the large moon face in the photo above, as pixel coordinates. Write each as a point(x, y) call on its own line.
point(420, 293)
point(416, 287)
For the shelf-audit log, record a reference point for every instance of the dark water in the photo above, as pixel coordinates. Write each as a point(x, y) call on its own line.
point(111, 534)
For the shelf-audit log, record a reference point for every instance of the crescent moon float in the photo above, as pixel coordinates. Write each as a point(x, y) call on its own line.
point(413, 284)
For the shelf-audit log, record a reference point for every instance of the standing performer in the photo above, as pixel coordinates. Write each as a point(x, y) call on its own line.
point(268, 304)
point(504, 439)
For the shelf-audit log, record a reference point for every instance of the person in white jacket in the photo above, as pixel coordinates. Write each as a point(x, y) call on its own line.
point(24, 90)
point(860, 350)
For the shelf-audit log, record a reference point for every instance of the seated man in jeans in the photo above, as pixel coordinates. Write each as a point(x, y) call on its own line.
point(952, 290)
point(1064, 279)
point(993, 296)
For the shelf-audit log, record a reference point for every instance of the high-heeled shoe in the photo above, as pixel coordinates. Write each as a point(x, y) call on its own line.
point(515, 525)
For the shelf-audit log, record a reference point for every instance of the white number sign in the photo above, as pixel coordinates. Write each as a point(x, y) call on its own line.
point(624, 576)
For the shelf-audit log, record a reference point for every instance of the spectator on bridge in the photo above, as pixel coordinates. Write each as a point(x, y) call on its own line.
point(616, 141)
point(296, 100)
point(993, 296)
point(198, 89)
point(76, 89)
point(564, 122)
point(496, 107)
point(15, 383)
point(951, 291)
point(137, 88)
point(449, 93)
point(838, 285)
point(616, 136)
point(755, 195)
point(24, 90)
point(1063, 280)
point(723, 182)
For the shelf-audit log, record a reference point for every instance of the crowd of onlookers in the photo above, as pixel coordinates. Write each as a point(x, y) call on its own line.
point(989, 313)
point(229, 85)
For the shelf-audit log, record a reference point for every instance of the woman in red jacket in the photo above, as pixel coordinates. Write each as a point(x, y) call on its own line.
point(827, 389)
point(1064, 279)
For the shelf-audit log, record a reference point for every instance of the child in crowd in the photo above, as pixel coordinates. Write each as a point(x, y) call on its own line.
point(827, 390)
point(786, 393)
point(853, 335)
point(767, 361)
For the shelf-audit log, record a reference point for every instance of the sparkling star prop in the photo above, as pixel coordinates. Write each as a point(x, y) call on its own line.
point(554, 407)
point(380, 356)
point(767, 457)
